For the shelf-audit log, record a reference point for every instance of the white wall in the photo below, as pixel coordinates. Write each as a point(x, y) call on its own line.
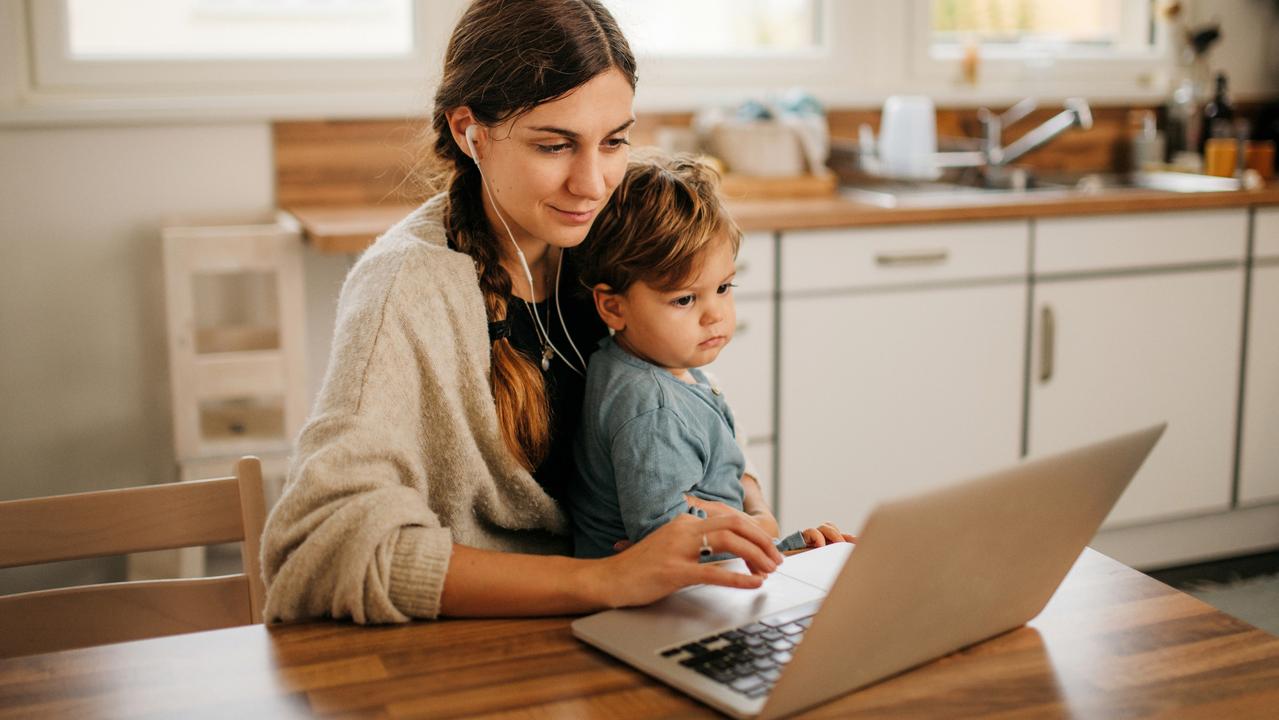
point(83, 366)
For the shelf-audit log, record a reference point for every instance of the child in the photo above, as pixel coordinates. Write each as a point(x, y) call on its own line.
point(660, 263)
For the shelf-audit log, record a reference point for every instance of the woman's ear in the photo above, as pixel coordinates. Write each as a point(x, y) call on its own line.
point(611, 306)
point(459, 119)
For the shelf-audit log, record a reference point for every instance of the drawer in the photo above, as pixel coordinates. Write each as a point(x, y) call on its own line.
point(756, 267)
point(1266, 234)
point(918, 254)
point(745, 368)
point(1144, 240)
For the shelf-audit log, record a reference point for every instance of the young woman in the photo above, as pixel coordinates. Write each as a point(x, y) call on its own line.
point(425, 482)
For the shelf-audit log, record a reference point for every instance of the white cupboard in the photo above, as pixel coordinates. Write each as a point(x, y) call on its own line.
point(1259, 442)
point(901, 363)
point(1137, 320)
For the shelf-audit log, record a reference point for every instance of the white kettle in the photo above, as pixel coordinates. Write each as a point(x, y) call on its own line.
point(907, 145)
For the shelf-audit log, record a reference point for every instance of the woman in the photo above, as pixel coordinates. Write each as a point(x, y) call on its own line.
point(424, 482)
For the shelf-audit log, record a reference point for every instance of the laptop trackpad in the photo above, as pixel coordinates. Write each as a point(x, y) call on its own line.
point(734, 606)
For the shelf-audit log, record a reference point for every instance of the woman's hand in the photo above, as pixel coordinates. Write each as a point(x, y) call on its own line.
point(667, 559)
point(761, 516)
point(825, 534)
point(713, 509)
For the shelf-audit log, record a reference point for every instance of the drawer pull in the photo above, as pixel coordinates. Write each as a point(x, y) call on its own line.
point(1047, 342)
point(741, 266)
point(920, 257)
point(742, 327)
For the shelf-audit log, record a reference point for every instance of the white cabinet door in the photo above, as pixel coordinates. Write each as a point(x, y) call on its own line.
point(1259, 451)
point(884, 393)
point(1113, 354)
point(745, 369)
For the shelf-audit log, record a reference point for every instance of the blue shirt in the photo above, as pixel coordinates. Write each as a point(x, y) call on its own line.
point(647, 439)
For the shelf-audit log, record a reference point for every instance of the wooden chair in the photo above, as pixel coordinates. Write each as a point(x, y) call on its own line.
point(115, 522)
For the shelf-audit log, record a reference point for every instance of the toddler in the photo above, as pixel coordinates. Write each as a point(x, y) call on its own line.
point(659, 261)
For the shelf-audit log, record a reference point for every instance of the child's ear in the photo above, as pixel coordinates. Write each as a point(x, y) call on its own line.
point(611, 307)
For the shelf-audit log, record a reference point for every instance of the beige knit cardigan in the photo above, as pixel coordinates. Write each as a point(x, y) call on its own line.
point(402, 455)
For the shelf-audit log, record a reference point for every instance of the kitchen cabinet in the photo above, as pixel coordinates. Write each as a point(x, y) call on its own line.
point(745, 367)
point(1259, 442)
point(901, 363)
point(1136, 320)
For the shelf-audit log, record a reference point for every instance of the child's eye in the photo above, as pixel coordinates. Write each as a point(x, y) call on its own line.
point(553, 149)
point(682, 301)
point(723, 289)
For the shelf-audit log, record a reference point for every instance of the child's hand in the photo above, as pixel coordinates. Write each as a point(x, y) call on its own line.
point(825, 534)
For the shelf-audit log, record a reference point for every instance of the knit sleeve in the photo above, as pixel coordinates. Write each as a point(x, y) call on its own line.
point(353, 535)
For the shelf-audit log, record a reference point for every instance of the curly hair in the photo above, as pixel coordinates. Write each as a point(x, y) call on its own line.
point(663, 215)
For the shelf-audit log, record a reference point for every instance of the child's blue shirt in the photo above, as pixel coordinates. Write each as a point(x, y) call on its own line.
point(646, 440)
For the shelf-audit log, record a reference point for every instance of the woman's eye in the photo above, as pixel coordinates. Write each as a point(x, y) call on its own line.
point(682, 301)
point(553, 149)
point(726, 287)
point(616, 143)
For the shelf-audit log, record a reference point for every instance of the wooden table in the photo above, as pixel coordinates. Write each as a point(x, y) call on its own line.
point(1112, 643)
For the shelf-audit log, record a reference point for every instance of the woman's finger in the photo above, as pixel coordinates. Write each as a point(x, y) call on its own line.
point(621, 545)
point(715, 575)
point(757, 561)
point(743, 527)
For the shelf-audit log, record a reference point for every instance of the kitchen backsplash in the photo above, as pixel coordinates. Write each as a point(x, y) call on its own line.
point(378, 162)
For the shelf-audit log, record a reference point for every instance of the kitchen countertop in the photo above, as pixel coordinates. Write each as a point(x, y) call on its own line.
point(350, 229)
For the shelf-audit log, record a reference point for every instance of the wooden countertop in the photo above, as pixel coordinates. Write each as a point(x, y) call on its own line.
point(350, 229)
point(1111, 643)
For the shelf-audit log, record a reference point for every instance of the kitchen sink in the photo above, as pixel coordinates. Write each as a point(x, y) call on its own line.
point(980, 189)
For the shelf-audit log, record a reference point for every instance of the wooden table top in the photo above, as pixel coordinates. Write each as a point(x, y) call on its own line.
point(1112, 643)
point(352, 228)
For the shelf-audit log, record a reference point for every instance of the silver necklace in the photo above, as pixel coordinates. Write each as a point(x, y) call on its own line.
point(547, 351)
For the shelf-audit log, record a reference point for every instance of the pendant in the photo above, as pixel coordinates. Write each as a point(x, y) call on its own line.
point(547, 354)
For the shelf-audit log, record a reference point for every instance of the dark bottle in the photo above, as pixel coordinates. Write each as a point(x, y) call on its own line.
point(1218, 115)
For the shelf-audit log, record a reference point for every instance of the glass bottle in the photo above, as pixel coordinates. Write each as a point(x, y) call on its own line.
point(1218, 115)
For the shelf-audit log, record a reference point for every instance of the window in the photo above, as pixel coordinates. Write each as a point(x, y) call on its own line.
point(229, 29)
point(719, 27)
point(284, 57)
point(1097, 48)
point(699, 53)
point(1013, 27)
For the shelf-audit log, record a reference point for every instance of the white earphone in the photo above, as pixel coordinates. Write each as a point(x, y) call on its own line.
point(470, 143)
point(528, 274)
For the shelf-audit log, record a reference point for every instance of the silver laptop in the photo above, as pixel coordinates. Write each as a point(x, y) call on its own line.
point(930, 574)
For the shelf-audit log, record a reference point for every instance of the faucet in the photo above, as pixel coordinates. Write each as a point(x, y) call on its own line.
point(1076, 114)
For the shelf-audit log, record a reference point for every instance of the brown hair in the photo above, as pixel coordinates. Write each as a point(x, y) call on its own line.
point(504, 58)
point(663, 214)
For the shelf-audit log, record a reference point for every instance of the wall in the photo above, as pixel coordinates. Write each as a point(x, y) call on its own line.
point(83, 366)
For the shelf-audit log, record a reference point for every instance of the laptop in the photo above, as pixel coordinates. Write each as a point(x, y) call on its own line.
point(930, 574)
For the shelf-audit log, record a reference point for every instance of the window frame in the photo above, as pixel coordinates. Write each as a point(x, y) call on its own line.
point(683, 82)
point(1134, 71)
point(54, 70)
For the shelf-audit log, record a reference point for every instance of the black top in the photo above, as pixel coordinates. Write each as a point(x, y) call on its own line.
point(564, 387)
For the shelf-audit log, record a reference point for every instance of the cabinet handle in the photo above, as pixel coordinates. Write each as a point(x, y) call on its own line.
point(741, 327)
point(741, 266)
point(918, 257)
point(1047, 340)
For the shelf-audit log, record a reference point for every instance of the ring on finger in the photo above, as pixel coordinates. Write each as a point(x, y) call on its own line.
point(705, 550)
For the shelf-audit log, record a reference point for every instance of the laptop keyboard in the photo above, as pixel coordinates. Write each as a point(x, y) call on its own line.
point(750, 658)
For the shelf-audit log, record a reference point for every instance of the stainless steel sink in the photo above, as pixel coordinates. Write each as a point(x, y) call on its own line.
point(982, 190)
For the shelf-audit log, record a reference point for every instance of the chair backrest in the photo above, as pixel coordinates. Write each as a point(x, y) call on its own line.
point(115, 522)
